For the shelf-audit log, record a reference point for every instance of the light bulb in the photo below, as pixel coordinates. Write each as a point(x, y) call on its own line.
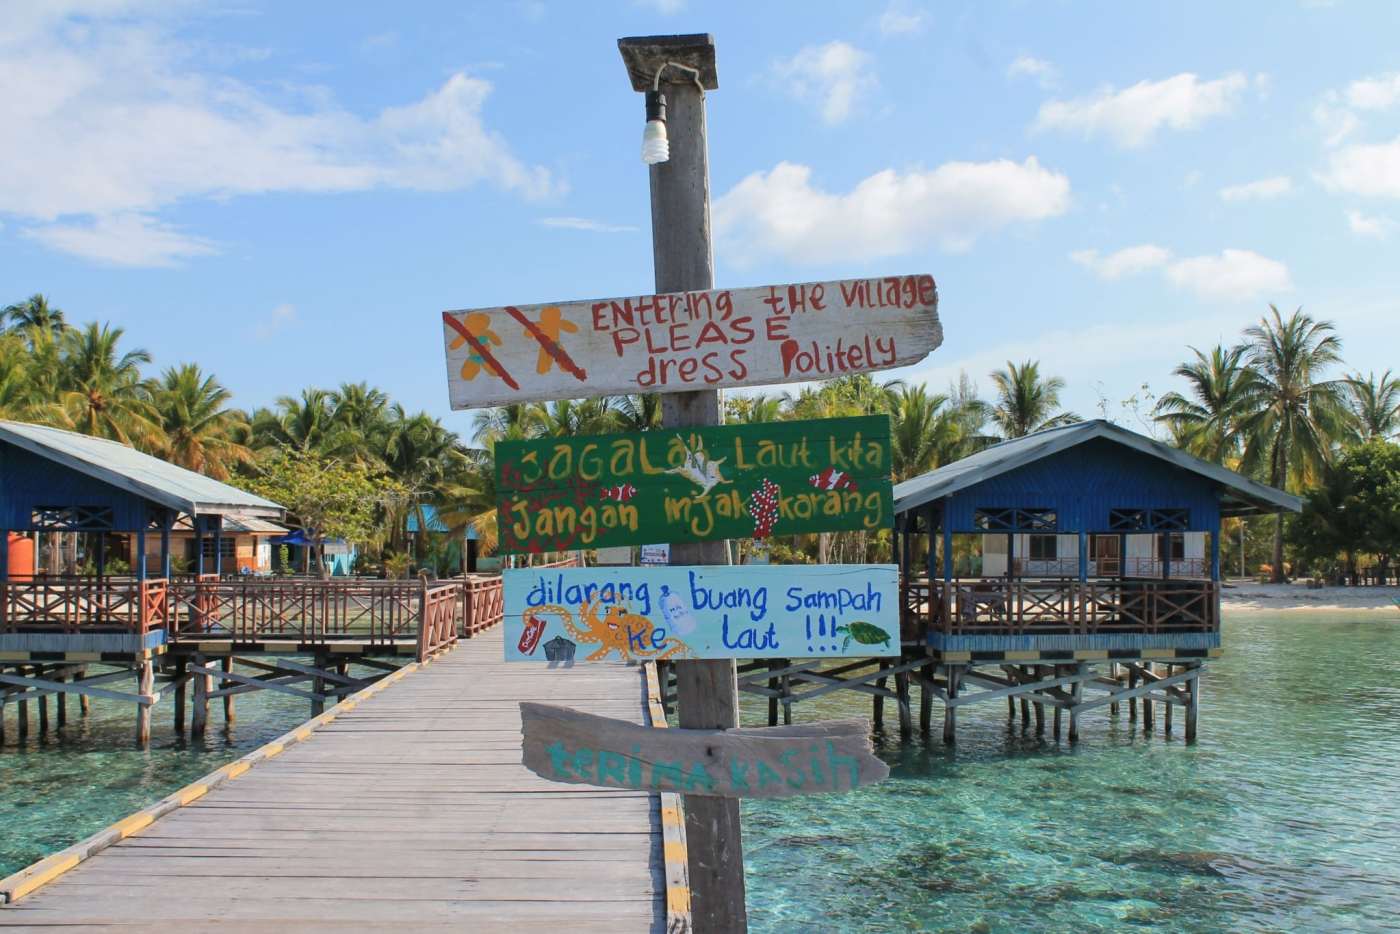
point(655, 147)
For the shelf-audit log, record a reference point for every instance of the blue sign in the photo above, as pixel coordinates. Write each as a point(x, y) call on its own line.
point(755, 611)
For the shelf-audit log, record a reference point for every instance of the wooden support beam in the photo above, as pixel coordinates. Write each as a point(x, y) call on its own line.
point(1193, 705)
point(78, 687)
point(926, 699)
point(1076, 693)
point(226, 663)
point(1015, 690)
point(1132, 701)
point(1039, 707)
point(950, 710)
point(1167, 710)
point(84, 702)
point(146, 686)
point(199, 718)
point(906, 716)
point(43, 703)
point(1149, 676)
point(878, 720)
point(1135, 692)
point(1113, 675)
point(181, 679)
point(61, 701)
point(260, 682)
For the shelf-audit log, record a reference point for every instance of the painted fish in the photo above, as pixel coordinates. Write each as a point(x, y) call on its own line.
point(832, 479)
point(864, 633)
point(621, 493)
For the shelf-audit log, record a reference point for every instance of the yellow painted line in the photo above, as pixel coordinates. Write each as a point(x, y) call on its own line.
point(1085, 654)
point(213, 646)
point(678, 898)
point(14, 656)
point(20, 884)
point(42, 873)
point(191, 793)
point(674, 851)
point(129, 825)
point(1214, 653)
point(1021, 656)
point(347, 649)
point(82, 656)
point(965, 656)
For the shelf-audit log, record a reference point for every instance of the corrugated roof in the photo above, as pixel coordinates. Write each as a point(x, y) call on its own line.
point(1240, 495)
point(141, 474)
point(236, 523)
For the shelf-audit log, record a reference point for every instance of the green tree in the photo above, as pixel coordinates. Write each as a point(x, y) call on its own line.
point(1206, 422)
point(1027, 402)
point(326, 498)
point(753, 410)
point(306, 422)
point(102, 392)
point(513, 422)
point(19, 400)
point(1375, 404)
point(1355, 509)
point(35, 313)
point(1295, 413)
point(594, 416)
point(638, 413)
point(198, 432)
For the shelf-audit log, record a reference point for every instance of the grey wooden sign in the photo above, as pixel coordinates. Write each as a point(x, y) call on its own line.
point(566, 745)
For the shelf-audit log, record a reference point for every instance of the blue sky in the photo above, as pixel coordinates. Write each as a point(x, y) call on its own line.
point(290, 193)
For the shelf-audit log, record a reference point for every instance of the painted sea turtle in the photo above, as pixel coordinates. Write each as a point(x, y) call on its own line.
point(864, 633)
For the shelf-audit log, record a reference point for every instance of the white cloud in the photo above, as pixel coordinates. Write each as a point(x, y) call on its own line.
point(835, 76)
point(1365, 225)
point(278, 320)
point(1233, 275)
point(666, 7)
point(781, 213)
point(121, 119)
point(1371, 169)
point(1133, 116)
point(900, 19)
point(122, 240)
point(1261, 190)
point(1378, 93)
point(583, 223)
point(1029, 66)
point(1124, 262)
point(1190, 179)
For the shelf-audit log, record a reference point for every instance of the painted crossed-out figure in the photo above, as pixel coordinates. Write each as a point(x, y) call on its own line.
point(552, 325)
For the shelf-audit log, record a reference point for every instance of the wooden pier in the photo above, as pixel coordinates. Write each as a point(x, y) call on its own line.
point(411, 811)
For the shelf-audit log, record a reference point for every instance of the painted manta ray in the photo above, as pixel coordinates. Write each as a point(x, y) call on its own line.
point(699, 469)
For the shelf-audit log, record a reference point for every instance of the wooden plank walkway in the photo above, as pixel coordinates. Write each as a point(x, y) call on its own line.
point(411, 811)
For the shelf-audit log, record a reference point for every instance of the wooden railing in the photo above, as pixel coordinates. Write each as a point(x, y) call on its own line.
point(308, 611)
point(1019, 606)
point(1179, 568)
point(483, 604)
point(74, 604)
point(437, 618)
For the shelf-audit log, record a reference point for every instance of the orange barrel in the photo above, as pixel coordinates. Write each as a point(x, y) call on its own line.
point(21, 555)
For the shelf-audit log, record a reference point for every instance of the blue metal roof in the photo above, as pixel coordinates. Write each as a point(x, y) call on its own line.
point(1239, 494)
point(145, 476)
point(432, 521)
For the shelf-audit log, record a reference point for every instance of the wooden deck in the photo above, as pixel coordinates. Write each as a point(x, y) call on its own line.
point(412, 811)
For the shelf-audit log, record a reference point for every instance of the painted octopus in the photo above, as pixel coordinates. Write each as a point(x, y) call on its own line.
point(630, 635)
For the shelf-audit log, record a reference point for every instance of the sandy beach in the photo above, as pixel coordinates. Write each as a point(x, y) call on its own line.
point(1247, 596)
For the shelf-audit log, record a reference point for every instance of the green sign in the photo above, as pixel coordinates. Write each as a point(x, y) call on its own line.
point(694, 484)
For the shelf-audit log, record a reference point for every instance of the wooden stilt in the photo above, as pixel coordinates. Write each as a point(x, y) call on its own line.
point(1193, 701)
point(1059, 672)
point(318, 687)
point(1167, 711)
point(1011, 708)
point(926, 700)
point(43, 705)
point(146, 685)
point(786, 683)
point(773, 698)
point(61, 701)
point(199, 718)
point(1132, 701)
point(950, 712)
point(1147, 704)
point(1076, 693)
point(180, 697)
point(906, 714)
point(878, 718)
point(1113, 673)
point(84, 702)
point(228, 698)
point(1039, 707)
point(1025, 711)
point(22, 710)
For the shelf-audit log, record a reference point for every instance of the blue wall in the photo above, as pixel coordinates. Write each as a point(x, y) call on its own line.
point(28, 481)
point(1084, 482)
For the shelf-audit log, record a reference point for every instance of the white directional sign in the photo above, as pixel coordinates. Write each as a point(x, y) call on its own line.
point(684, 341)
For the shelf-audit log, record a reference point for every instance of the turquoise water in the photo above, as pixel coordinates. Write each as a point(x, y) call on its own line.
point(61, 787)
point(1285, 816)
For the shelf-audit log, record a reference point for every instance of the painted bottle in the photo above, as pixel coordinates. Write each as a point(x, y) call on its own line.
point(675, 612)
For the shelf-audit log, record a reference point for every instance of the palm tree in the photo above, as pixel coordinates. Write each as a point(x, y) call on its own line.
point(306, 423)
point(199, 432)
point(1027, 403)
point(638, 413)
point(1294, 414)
point(17, 387)
point(1375, 404)
point(468, 500)
point(1206, 422)
point(753, 410)
point(512, 422)
point(102, 392)
point(594, 416)
point(34, 312)
point(361, 414)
